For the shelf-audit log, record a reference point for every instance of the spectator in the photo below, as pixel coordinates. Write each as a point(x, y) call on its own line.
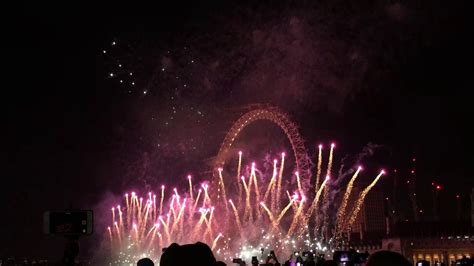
point(387, 258)
point(145, 262)
point(198, 254)
point(329, 263)
point(290, 261)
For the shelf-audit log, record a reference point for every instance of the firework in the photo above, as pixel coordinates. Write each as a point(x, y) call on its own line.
point(325, 205)
point(361, 199)
point(233, 223)
point(279, 185)
point(318, 170)
point(345, 200)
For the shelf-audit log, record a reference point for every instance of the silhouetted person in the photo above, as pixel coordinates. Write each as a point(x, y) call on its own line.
point(309, 262)
point(145, 262)
point(198, 254)
point(272, 259)
point(291, 261)
point(464, 261)
point(387, 258)
point(329, 263)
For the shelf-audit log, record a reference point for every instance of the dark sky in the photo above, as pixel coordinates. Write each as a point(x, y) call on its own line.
point(356, 72)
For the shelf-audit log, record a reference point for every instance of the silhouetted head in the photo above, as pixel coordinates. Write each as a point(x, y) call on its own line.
point(387, 258)
point(329, 263)
point(145, 262)
point(198, 254)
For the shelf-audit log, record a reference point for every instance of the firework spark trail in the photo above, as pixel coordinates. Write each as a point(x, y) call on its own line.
point(292, 199)
point(247, 199)
point(196, 201)
point(131, 210)
point(257, 189)
point(360, 200)
point(143, 222)
point(118, 232)
point(295, 221)
point(113, 214)
point(150, 202)
point(154, 207)
point(140, 213)
point(135, 233)
point(154, 232)
point(315, 202)
point(197, 228)
point(237, 217)
point(190, 188)
point(120, 219)
point(136, 210)
point(272, 182)
point(152, 229)
point(165, 225)
point(180, 215)
point(313, 206)
point(331, 154)
point(172, 207)
point(177, 202)
point(162, 197)
point(181, 221)
point(110, 234)
point(134, 205)
point(120, 215)
point(127, 204)
point(168, 218)
point(325, 205)
point(126, 201)
point(160, 237)
point(222, 186)
point(282, 213)
point(214, 243)
point(345, 200)
point(318, 173)
point(140, 208)
point(238, 176)
point(207, 199)
point(300, 190)
point(276, 204)
point(208, 224)
point(270, 215)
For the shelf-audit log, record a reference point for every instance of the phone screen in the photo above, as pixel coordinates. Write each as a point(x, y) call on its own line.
point(68, 222)
point(344, 257)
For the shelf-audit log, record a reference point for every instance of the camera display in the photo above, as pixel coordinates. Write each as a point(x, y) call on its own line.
point(344, 257)
point(68, 222)
point(350, 256)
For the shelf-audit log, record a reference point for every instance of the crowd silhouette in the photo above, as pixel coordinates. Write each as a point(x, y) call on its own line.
point(199, 254)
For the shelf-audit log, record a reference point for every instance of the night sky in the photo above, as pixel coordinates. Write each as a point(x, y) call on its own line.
point(104, 99)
